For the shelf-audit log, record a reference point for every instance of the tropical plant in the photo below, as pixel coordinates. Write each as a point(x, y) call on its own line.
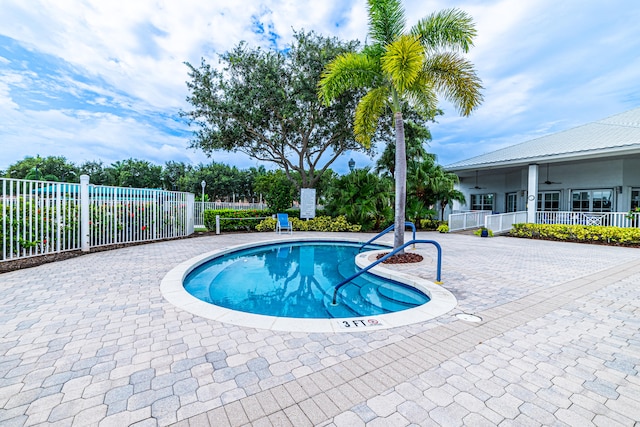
point(363, 198)
point(405, 72)
point(443, 228)
point(436, 185)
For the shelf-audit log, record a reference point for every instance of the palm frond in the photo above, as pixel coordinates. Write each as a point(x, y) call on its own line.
point(368, 111)
point(422, 98)
point(403, 61)
point(455, 78)
point(347, 71)
point(386, 20)
point(449, 29)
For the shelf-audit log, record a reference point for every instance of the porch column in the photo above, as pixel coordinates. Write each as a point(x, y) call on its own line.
point(532, 193)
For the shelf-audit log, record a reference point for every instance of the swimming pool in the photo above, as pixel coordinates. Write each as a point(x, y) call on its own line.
point(297, 279)
point(173, 290)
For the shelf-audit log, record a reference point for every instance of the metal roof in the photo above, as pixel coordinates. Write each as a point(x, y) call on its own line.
point(614, 135)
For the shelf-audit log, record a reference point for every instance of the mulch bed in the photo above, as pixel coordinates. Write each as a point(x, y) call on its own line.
point(405, 258)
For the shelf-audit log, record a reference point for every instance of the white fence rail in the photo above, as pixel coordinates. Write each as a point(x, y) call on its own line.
point(500, 223)
point(127, 215)
point(200, 207)
point(614, 219)
point(41, 217)
point(466, 220)
point(38, 218)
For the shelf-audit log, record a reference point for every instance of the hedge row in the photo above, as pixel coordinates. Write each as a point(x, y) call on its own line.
point(250, 218)
point(254, 219)
point(578, 233)
point(319, 223)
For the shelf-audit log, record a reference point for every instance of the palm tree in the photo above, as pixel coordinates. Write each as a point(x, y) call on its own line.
point(442, 184)
point(405, 72)
point(415, 138)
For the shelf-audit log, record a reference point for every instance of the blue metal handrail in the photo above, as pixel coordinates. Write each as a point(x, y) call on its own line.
point(387, 256)
point(388, 229)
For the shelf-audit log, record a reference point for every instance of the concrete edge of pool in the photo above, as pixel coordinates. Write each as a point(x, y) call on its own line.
point(172, 289)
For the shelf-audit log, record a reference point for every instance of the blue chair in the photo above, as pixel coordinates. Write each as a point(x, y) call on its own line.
point(283, 223)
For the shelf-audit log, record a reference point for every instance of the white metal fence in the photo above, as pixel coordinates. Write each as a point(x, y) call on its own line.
point(41, 217)
point(500, 223)
point(38, 218)
point(614, 219)
point(127, 215)
point(466, 220)
point(200, 207)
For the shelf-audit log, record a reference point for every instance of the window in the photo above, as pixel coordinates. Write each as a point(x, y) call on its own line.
point(549, 201)
point(635, 198)
point(482, 202)
point(592, 200)
point(512, 202)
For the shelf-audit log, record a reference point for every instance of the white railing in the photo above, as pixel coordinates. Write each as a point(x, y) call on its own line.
point(38, 218)
point(466, 220)
point(614, 219)
point(501, 223)
point(41, 217)
point(128, 215)
point(200, 207)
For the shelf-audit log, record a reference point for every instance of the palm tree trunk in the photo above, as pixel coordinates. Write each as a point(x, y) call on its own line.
point(401, 182)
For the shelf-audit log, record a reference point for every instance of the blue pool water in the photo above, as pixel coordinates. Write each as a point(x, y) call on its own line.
point(297, 279)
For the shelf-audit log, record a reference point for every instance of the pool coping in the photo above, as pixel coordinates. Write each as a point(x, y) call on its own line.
point(442, 301)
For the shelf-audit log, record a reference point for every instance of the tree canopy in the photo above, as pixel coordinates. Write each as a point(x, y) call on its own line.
point(264, 103)
point(52, 168)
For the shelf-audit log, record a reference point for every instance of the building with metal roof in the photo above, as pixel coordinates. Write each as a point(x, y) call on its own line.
point(590, 168)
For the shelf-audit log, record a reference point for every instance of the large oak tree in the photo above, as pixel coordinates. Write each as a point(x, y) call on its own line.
point(264, 103)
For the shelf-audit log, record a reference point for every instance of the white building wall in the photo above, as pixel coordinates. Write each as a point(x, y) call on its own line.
point(565, 177)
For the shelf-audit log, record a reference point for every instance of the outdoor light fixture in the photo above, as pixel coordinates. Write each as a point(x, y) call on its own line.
point(204, 184)
point(352, 165)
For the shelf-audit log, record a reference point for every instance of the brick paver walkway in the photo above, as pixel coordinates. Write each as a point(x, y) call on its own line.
point(90, 341)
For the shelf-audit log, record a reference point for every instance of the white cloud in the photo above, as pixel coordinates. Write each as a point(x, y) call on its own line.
point(545, 65)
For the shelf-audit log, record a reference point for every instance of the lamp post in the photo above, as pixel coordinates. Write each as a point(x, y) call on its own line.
point(352, 165)
point(204, 184)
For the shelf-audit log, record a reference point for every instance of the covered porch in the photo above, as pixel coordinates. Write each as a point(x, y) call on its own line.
point(587, 175)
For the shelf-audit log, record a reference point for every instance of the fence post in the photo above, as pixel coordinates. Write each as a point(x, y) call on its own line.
point(84, 212)
point(217, 224)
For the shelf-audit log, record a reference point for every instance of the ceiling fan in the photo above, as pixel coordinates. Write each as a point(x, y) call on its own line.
point(476, 187)
point(550, 182)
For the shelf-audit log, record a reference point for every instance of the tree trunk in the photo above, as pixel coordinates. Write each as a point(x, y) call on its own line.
point(401, 182)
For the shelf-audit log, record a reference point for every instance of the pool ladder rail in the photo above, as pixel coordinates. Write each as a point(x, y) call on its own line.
point(387, 256)
point(388, 229)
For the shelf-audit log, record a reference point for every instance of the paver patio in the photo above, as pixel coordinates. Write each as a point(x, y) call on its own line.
point(91, 341)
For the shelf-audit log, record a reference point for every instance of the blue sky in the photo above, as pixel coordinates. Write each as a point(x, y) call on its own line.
point(98, 80)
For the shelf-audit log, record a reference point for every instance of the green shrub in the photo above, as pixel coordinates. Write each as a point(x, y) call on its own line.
point(431, 224)
point(578, 233)
point(443, 228)
point(319, 223)
point(478, 232)
point(268, 224)
point(253, 218)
